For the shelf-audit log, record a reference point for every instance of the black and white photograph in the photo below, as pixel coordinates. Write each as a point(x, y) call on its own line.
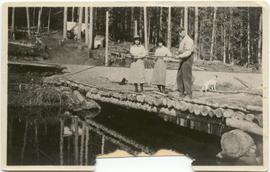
point(87, 80)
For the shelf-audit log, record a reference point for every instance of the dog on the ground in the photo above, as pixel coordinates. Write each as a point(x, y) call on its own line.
point(210, 85)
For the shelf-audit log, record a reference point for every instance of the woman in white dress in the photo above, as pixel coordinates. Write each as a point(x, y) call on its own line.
point(159, 72)
point(137, 71)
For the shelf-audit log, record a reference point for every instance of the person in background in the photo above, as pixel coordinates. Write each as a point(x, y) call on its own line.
point(184, 74)
point(137, 71)
point(159, 72)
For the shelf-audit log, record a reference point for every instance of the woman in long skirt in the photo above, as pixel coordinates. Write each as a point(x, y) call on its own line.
point(159, 72)
point(137, 71)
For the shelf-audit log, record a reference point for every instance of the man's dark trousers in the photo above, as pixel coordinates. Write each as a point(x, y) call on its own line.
point(184, 76)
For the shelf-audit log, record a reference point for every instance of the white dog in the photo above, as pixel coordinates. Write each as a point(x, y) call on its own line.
point(210, 84)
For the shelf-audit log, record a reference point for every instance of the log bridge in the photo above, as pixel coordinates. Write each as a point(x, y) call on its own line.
point(239, 126)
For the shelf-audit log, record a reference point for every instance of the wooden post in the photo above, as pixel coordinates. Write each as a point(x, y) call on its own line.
point(80, 24)
point(28, 23)
point(61, 144)
point(86, 26)
point(24, 140)
point(213, 34)
point(39, 19)
point(65, 24)
point(196, 28)
point(102, 144)
point(49, 20)
point(86, 145)
point(169, 28)
point(132, 20)
point(145, 28)
point(36, 140)
point(135, 28)
point(107, 38)
point(13, 23)
point(230, 35)
point(76, 148)
point(82, 142)
point(90, 45)
point(186, 19)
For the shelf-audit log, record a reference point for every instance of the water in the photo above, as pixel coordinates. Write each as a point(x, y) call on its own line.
point(35, 135)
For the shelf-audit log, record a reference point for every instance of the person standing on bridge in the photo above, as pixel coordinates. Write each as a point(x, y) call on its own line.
point(184, 74)
point(137, 71)
point(159, 72)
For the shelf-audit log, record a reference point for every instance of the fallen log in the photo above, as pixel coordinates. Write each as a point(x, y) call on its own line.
point(245, 126)
point(236, 143)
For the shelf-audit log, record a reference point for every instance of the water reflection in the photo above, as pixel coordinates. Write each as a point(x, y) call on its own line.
point(42, 137)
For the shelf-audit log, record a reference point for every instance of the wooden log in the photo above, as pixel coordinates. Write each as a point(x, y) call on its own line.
point(218, 113)
point(236, 143)
point(254, 108)
point(249, 117)
point(239, 115)
point(61, 144)
point(245, 126)
point(197, 109)
point(228, 113)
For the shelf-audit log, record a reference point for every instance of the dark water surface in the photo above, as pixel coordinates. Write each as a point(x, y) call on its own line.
point(35, 137)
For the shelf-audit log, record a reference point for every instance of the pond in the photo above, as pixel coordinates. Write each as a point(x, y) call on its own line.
point(46, 135)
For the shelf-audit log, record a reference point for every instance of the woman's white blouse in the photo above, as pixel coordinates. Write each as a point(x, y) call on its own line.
point(137, 51)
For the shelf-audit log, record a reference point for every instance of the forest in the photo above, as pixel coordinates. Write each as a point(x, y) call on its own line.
point(232, 35)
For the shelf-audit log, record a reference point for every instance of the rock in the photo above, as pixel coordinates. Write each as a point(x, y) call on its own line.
point(239, 115)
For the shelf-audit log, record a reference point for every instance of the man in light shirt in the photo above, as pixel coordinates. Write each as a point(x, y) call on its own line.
point(184, 74)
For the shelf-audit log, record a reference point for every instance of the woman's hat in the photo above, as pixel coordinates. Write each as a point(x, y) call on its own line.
point(136, 37)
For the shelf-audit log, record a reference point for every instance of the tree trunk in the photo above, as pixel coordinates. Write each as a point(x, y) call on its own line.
point(169, 28)
point(248, 39)
point(224, 44)
point(65, 24)
point(39, 19)
point(135, 28)
point(196, 28)
point(34, 16)
point(241, 41)
point(49, 20)
point(145, 28)
point(28, 23)
point(182, 17)
point(90, 35)
point(148, 30)
point(141, 22)
point(260, 41)
point(86, 25)
point(80, 23)
point(107, 38)
point(13, 23)
point(213, 35)
point(72, 14)
point(186, 20)
point(230, 35)
point(160, 22)
point(132, 21)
